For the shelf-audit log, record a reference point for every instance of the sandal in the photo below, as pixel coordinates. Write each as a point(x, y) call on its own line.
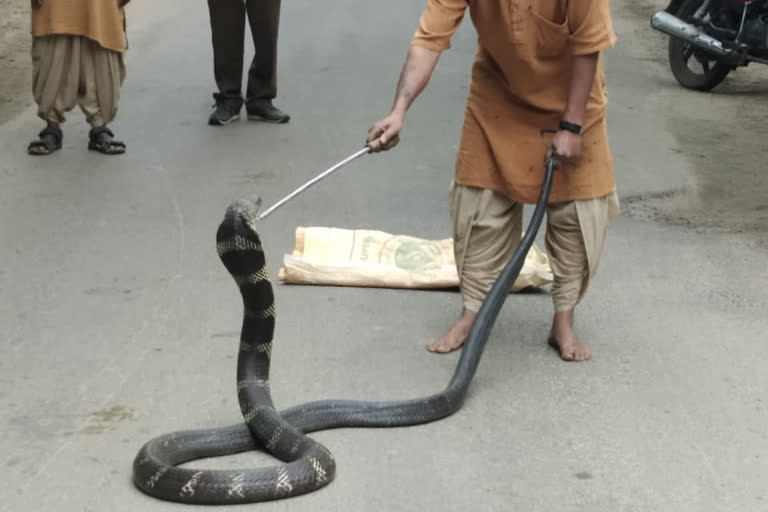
point(101, 140)
point(49, 141)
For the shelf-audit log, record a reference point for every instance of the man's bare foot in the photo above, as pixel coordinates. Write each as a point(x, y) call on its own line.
point(456, 335)
point(563, 339)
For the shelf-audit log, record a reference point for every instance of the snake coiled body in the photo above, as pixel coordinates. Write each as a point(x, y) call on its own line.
point(306, 465)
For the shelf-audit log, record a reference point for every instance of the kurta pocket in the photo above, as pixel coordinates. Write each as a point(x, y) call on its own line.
point(550, 38)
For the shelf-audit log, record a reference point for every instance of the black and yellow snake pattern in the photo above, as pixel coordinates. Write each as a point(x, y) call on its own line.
point(306, 465)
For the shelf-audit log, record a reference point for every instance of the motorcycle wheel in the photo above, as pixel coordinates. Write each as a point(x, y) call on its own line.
point(708, 71)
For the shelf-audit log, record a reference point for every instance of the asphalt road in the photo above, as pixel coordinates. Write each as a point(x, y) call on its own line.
point(119, 323)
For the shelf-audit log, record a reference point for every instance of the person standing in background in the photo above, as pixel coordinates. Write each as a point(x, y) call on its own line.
point(77, 59)
point(228, 36)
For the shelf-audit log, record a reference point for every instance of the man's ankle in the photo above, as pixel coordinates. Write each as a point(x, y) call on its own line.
point(563, 320)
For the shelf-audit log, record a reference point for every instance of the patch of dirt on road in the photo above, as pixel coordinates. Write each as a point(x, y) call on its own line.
point(15, 60)
point(722, 134)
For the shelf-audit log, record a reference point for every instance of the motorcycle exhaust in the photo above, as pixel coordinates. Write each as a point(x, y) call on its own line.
point(675, 27)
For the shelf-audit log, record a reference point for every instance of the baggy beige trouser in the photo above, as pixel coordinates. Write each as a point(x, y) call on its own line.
point(488, 227)
point(70, 70)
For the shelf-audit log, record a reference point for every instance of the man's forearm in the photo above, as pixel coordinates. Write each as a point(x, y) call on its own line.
point(584, 68)
point(414, 77)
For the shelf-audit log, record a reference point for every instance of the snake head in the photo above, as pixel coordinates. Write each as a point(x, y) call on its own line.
point(239, 222)
point(244, 212)
point(246, 207)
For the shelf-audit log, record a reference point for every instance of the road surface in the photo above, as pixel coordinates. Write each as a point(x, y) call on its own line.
point(119, 322)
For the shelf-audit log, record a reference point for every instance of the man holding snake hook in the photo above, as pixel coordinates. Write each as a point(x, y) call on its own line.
point(538, 67)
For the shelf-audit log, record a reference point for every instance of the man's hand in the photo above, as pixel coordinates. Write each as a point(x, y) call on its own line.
point(385, 134)
point(566, 146)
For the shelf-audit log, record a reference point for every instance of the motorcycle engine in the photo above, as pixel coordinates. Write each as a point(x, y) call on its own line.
point(756, 32)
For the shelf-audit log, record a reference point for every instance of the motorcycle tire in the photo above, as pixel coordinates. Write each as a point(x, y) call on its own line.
point(709, 78)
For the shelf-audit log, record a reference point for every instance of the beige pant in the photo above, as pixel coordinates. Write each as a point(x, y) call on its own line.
point(487, 230)
point(70, 70)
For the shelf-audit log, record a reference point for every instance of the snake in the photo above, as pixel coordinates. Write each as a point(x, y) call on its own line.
point(305, 465)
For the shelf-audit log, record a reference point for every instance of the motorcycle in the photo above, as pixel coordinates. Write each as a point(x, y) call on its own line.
point(713, 36)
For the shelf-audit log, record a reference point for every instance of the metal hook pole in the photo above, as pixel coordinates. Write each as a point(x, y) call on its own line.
point(314, 180)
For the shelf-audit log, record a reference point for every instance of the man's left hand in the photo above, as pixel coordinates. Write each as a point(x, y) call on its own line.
point(566, 146)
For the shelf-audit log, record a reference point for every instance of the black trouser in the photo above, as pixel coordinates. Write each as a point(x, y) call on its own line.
point(228, 31)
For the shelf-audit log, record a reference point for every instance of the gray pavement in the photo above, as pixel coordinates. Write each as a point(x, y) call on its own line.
point(119, 323)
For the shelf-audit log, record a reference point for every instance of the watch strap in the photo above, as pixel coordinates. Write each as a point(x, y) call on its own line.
point(571, 127)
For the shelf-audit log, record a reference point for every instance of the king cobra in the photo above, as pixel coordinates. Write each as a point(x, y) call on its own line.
point(306, 465)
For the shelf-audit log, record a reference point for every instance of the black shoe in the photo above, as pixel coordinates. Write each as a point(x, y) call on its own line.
point(224, 114)
point(268, 113)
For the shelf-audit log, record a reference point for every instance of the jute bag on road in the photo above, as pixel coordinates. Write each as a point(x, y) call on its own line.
point(371, 258)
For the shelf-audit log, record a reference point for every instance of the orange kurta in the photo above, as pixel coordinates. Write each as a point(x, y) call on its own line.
point(99, 20)
point(520, 83)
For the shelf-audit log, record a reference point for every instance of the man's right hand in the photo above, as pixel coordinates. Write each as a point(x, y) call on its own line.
point(385, 134)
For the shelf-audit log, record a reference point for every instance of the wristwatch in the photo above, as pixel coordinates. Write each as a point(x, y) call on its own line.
point(571, 127)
